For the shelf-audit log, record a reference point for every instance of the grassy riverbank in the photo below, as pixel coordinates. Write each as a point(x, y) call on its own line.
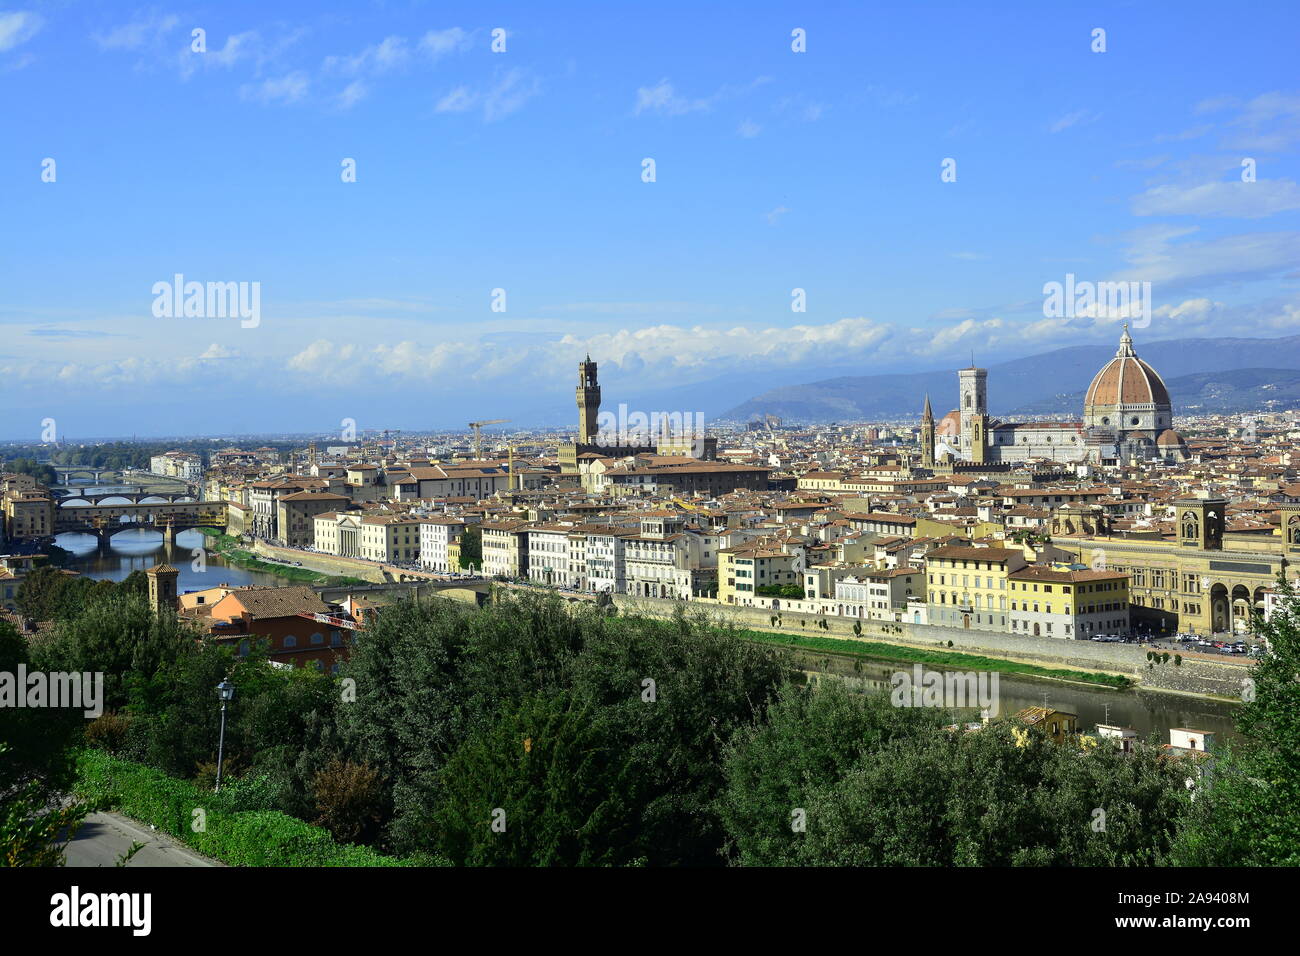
point(229, 548)
point(915, 655)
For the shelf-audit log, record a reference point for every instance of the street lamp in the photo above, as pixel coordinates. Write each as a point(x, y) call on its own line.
point(226, 691)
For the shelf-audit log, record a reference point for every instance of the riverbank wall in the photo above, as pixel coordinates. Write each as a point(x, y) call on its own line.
point(1193, 674)
point(324, 563)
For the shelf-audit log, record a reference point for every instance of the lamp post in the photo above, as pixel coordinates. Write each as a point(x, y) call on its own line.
point(226, 691)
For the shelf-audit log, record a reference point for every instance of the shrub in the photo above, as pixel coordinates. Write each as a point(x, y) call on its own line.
point(236, 837)
point(349, 798)
point(108, 732)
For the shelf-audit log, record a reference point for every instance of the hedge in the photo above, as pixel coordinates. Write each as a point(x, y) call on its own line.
point(239, 838)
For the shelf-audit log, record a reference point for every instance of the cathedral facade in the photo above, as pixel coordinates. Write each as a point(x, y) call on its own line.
point(1127, 416)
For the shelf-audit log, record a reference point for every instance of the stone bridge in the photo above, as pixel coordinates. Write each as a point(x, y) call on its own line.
point(95, 474)
point(104, 521)
point(74, 499)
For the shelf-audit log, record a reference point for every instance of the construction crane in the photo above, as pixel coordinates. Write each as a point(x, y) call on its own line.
point(478, 438)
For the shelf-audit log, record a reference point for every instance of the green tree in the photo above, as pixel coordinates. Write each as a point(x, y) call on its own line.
point(35, 769)
point(1247, 806)
point(876, 785)
point(471, 549)
point(546, 785)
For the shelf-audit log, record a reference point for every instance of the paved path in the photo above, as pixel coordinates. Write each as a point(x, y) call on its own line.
point(105, 837)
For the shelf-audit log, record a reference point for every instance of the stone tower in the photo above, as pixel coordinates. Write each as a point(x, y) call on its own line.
point(1201, 522)
point(588, 402)
point(927, 436)
point(1290, 515)
point(162, 587)
point(973, 390)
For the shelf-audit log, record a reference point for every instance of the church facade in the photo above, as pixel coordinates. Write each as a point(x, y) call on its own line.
point(1127, 416)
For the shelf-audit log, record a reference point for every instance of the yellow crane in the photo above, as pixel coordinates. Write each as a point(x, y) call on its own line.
point(478, 438)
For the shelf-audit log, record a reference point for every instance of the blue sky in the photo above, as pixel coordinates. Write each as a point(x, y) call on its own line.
point(522, 170)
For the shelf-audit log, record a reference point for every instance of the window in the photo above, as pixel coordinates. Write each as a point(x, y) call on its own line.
point(290, 641)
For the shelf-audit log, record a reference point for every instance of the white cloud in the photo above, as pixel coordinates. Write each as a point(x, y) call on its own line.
point(216, 351)
point(1155, 256)
point(139, 33)
point(389, 54)
point(1269, 122)
point(457, 101)
point(352, 94)
point(1077, 118)
point(1241, 200)
point(775, 215)
point(285, 89)
point(438, 43)
point(889, 98)
point(17, 28)
point(749, 129)
point(509, 94)
point(505, 96)
point(662, 98)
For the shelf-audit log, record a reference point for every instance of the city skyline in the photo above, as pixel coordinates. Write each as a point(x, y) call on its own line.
point(522, 171)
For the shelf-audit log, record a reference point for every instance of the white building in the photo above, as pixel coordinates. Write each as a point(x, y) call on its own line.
point(606, 560)
point(548, 555)
point(177, 464)
point(436, 535)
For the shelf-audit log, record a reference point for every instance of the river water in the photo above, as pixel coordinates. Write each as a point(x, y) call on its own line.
point(138, 549)
point(1147, 712)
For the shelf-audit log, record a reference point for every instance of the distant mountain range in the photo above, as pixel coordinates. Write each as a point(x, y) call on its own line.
point(1223, 393)
point(1223, 375)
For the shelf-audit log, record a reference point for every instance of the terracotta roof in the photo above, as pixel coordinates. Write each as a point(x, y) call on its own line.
point(1126, 380)
point(279, 602)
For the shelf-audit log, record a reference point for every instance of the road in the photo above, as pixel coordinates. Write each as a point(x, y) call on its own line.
point(105, 837)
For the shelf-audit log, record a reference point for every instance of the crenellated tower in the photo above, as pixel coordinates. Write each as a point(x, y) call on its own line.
point(588, 402)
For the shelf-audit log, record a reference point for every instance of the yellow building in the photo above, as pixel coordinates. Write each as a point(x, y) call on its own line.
point(1059, 725)
point(28, 514)
point(966, 585)
point(1068, 602)
point(1202, 579)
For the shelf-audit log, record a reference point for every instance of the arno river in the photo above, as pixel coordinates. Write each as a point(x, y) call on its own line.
point(138, 549)
point(1145, 711)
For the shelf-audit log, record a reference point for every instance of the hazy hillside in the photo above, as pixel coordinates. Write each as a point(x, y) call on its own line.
point(1240, 390)
point(1051, 381)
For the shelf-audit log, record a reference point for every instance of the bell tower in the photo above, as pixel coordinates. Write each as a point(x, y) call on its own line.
point(927, 436)
point(162, 588)
point(974, 411)
point(1200, 522)
point(588, 402)
point(1291, 532)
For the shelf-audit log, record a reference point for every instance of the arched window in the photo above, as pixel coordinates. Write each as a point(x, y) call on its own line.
point(318, 638)
point(290, 641)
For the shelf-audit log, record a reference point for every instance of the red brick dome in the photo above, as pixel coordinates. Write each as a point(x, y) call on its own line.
point(1127, 380)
